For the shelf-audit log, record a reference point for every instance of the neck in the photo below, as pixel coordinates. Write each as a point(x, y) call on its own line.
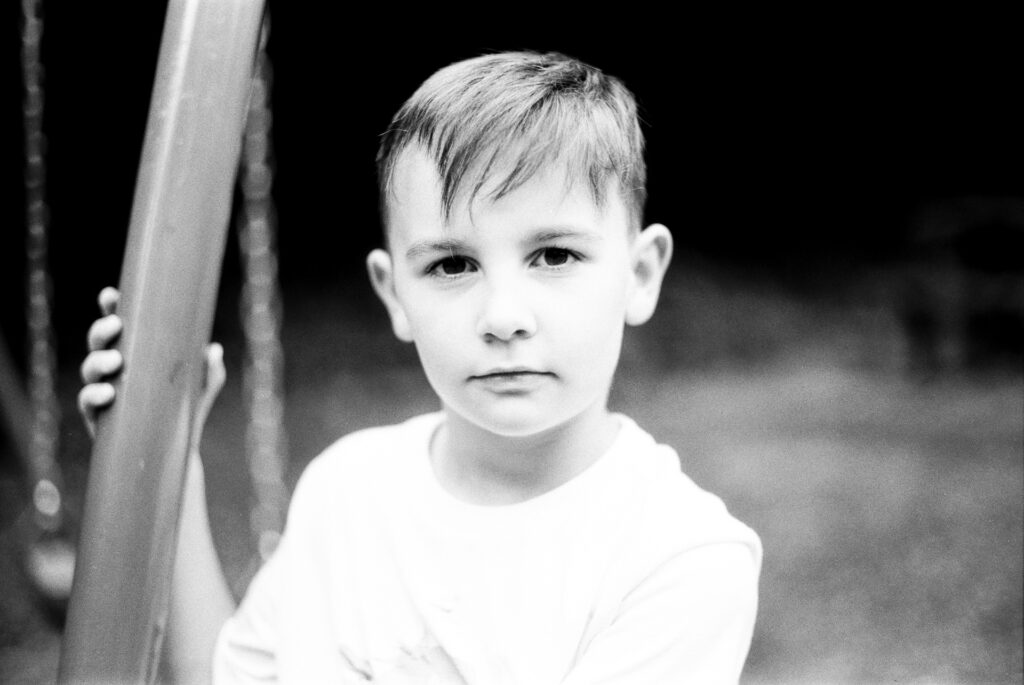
point(481, 467)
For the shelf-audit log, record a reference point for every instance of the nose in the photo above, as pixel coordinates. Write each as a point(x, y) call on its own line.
point(506, 313)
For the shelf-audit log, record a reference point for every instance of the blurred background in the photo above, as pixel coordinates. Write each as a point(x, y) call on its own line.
point(838, 351)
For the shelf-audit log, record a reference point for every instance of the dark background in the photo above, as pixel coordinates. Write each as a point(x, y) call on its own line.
point(837, 351)
point(792, 145)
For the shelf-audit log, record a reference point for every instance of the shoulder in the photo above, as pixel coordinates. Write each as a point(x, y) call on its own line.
point(362, 461)
point(683, 574)
point(370, 447)
point(678, 516)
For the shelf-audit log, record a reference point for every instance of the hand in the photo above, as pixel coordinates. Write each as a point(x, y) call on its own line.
point(102, 365)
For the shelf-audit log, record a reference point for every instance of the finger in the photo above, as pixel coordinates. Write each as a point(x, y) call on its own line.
point(95, 396)
point(108, 300)
point(101, 364)
point(215, 371)
point(212, 383)
point(91, 399)
point(103, 332)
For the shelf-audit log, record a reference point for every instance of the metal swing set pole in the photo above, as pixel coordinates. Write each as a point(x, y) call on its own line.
point(120, 597)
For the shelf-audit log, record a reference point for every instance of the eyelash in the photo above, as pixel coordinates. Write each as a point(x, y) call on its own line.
point(435, 268)
point(570, 256)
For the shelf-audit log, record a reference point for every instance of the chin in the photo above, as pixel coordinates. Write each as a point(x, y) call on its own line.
point(513, 424)
point(512, 419)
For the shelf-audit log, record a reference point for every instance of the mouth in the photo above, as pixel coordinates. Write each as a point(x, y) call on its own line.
point(512, 379)
point(515, 372)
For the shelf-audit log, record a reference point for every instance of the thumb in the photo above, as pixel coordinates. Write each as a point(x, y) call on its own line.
point(213, 381)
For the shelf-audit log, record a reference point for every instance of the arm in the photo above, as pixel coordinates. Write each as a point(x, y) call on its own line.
point(200, 600)
point(690, 621)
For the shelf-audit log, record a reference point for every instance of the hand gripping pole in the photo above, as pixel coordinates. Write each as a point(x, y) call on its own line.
point(119, 601)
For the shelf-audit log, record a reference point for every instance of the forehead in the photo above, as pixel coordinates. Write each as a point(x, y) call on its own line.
point(551, 197)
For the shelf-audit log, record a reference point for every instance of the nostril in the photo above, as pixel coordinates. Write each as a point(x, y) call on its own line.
point(505, 314)
point(492, 337)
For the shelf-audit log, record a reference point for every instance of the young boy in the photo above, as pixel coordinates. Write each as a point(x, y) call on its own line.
point(524, 533)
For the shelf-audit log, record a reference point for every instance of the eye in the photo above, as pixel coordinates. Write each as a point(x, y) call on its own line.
point(450, 267)
point(555, 257)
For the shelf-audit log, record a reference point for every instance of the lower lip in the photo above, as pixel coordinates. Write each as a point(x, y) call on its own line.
point(511, 383)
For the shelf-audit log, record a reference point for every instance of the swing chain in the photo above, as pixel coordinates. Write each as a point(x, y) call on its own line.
point(46, 497)
point(261, 313)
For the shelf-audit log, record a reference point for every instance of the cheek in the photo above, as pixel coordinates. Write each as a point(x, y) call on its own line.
point(596, 309)
point(438, 360)
point(590, 330)
point(434, 325)
point(434, 335)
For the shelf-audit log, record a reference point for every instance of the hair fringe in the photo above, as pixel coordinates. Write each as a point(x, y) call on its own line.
point(520, 112)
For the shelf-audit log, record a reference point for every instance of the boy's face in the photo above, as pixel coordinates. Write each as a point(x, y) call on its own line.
point(517, 307)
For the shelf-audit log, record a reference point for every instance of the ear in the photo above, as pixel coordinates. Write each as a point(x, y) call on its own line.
point(382, 277)
point(651, 254)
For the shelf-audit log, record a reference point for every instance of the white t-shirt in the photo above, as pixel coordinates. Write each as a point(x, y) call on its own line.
point(629, 573)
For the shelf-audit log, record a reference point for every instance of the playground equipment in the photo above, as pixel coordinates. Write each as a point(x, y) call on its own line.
point(205, 78)
point(119, 601)
point(34, 420)
point(266, 442)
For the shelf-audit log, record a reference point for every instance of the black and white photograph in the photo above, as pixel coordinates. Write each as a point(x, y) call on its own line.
point(632, 347)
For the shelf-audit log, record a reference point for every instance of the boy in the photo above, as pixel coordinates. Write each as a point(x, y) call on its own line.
point(524, 533)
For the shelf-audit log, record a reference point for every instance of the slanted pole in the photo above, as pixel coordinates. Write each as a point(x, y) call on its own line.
point(119, 600)
point(15, 413)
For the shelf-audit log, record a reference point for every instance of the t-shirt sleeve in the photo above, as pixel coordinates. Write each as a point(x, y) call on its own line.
point(689, 621)
point(245, 651)
point(249, 646)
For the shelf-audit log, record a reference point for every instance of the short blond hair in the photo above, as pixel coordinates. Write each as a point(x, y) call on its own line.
point(520, 112)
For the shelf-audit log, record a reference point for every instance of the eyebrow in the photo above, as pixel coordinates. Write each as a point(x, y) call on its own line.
point(456, 246)
point(425, 247)
point(548, 235)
